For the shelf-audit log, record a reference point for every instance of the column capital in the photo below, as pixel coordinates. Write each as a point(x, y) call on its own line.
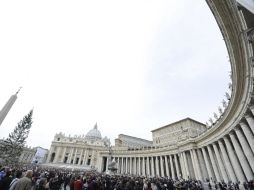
point(220, 141)
point(237, 128)
point(243, 124)
point(231, 133)
point(247, 116)
point(251, 106)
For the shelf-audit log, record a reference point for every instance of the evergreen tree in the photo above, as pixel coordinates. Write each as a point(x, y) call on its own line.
point(11, 148)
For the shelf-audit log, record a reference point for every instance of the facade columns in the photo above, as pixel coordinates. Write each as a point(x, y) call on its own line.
point(246, 148)
point(235, 163)
point(80, 157)
point(152, 165)
point(157, 166)
point(139, 166)
point(215, 169)
point(143, 166)
point(63, 155)
point(162, 167)
point(250, 121)
point(126, 165)
point(177, 166)
point(131, 166)
point(57, 154)
point(75, 155)
point(184, 176)
point(208, 166)
point(186, 165)
point(118, 166)
point(172, 167)
point(167, 166)
point(249, 136)
point(122, 169)
point(228, 165)
point(135, 166)
point(199, 176)
point(49, 155)
point(241, 157)
point(148, 166)
point(221, 165)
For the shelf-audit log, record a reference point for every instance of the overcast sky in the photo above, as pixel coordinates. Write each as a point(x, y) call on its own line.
point(131, 66)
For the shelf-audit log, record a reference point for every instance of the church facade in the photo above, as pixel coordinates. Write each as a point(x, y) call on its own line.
point(221, 151)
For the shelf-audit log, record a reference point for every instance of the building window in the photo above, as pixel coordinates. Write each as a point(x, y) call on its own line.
point(88, 161)
point(58, 139)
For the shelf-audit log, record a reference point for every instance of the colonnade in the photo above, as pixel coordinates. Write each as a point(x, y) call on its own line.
point(158, 165)
point(231, 158)
point(74, 155)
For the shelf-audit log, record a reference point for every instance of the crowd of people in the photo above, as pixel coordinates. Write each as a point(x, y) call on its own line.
point(62, 179)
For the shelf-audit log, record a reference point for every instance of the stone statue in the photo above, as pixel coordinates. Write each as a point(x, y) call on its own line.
point(224, 103)
point(227, 96)
point(211, 121)
point(230, 86)
point(215, 116)
point(220, 110)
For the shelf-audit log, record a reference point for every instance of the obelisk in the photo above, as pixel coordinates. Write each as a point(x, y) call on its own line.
point(7, 106)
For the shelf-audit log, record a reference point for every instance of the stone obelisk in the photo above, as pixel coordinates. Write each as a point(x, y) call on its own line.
point(7, 106)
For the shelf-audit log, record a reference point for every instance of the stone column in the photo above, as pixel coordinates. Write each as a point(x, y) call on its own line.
point(241, 157)
point(148, 166)
point(135, 166)
point(186, 165)
point(139, 166)
point(122, 169)
point(143, 166)
point(250, 121)
point(63, 155)
point(161, 165)
point(85, 156)
point(49, 155)
point(249, 135)
point(195, 167)
point(221, 165)
point(235, 163)
point(246, 148)
point(152, 165)
point(203, 170)
point(80, 157)
point(157, 166)
point(252, 109)
point(75, 155)
point(131, 166)
point(117, 164)
point(57, 155)
point(215, 169)
point(166, 163)
point(228, 165)
point(107, 162)
point(172, 167)
point(182, 166)
point(208, 167)
point(126, 166)
point(177, 166)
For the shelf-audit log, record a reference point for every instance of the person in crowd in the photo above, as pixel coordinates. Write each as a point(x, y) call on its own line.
point(25, 183)
point(13, 184)
point(6, 181)
point(78, 184)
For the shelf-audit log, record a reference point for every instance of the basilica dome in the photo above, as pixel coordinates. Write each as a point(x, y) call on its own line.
point(94, 134)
